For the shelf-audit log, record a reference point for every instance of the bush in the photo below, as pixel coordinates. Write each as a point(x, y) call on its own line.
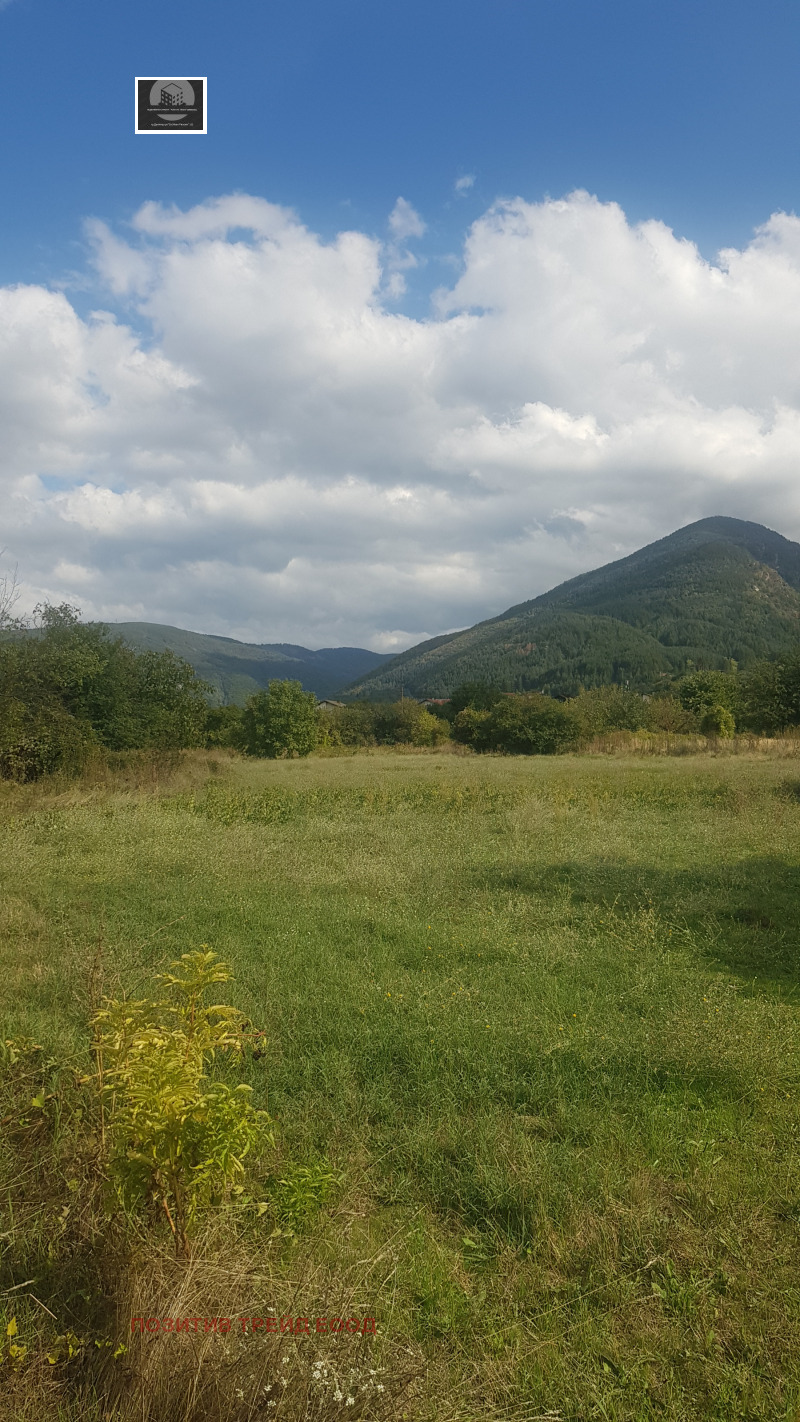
point(225, 728)
point(352, 725)
point(718, 721)
point(771, 695)
point(407, 723)
point(609, 708)
point(176, 1138)
point(665, 713)
point(37, 741)
point(281, 721)
point(471, 728)
point(367, 723)
point(68, 688)
point(702, 690)
point(531, 725)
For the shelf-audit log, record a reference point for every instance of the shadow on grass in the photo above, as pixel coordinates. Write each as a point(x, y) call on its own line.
point(577, 1130)
point(745, 913)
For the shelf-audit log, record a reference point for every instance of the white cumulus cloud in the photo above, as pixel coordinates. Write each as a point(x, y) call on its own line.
point(260, 443)
point(405, 221)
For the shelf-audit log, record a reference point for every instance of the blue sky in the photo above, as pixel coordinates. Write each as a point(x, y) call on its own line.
point(684, 111)
point(514, 359)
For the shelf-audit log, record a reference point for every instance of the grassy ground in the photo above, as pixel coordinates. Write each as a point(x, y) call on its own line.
point(533, 1059)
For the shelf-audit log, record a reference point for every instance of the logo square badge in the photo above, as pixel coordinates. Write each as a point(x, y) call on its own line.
point(171, 105)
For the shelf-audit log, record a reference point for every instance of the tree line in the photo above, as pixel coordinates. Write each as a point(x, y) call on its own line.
point(70, 690)
point(763, 700)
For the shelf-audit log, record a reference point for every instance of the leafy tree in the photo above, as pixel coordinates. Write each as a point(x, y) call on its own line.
point(406, 723)
point(718, 721)
point(471, 728)
point(665, 713)
point(281, 721)
point(225, 727)
point(609, 708)
point(479, 695)
point(702, 690)
point(771, 695)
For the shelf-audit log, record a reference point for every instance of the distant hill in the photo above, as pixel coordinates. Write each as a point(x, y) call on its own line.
point(237, 669)
point(717, 590)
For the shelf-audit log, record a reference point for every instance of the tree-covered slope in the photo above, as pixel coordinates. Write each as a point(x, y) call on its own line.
point(719, 590)
point(238, 669)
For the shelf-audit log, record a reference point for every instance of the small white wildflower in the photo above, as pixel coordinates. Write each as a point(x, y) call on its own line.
point(337, 1396)
point(351, 1402)
point(285, 1359)
point(316, 1376)
point(380, 1388)
point(284, 1382)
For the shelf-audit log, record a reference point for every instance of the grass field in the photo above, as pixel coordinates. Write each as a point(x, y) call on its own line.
point(532, 1060)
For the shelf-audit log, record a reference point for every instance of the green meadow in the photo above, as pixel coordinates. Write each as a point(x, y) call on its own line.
point(532, 1062)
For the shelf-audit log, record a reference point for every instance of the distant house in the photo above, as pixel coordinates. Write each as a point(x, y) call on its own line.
point(437, 701)
point(328, 705)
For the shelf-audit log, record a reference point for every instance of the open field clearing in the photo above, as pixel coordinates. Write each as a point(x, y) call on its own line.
point(533, 1063)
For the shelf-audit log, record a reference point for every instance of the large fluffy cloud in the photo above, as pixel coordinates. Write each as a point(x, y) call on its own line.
point(259, 442)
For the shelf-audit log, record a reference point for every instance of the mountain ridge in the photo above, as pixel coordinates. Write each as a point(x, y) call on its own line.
point(237, 669)
point(716, 591)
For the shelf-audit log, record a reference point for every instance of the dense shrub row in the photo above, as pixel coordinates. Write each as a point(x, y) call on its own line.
point(284, 720)
point(764, 700)
point(69, 690)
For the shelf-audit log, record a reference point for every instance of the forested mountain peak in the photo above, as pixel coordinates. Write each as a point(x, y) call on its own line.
point(716, 591)
point(715, 539)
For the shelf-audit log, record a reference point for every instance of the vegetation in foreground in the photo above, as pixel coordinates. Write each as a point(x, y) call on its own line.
point(532, 1067)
